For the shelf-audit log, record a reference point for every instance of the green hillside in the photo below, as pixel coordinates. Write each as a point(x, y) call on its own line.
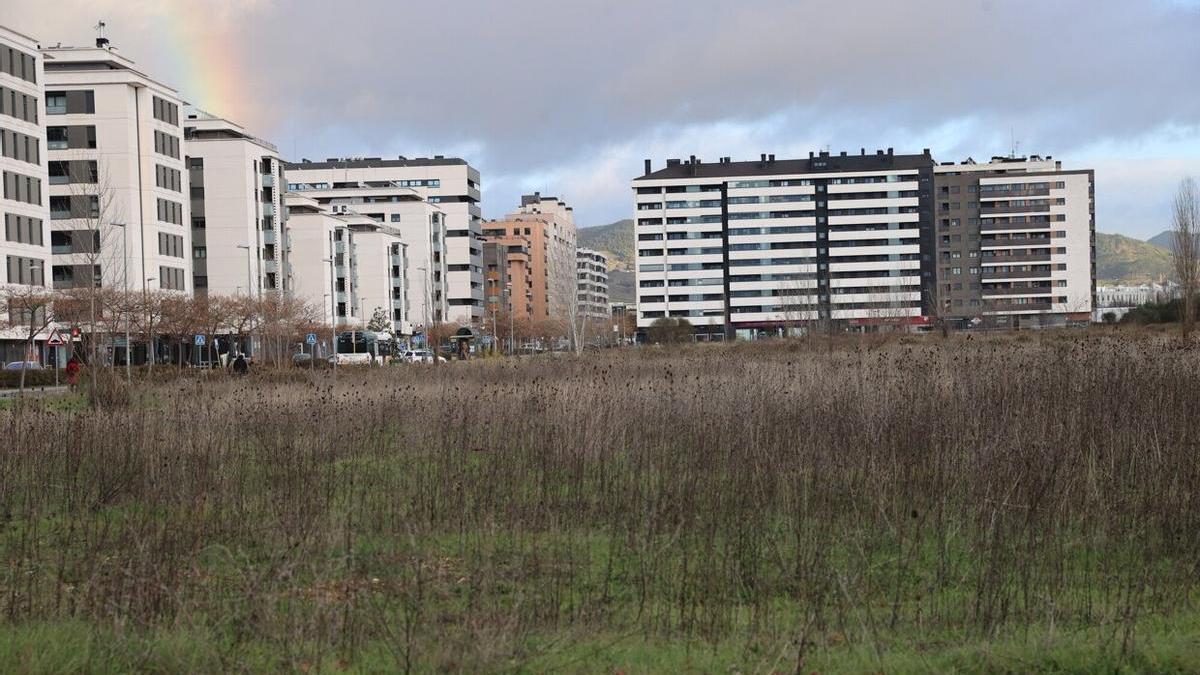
point(615, 239)
point(1128, 260)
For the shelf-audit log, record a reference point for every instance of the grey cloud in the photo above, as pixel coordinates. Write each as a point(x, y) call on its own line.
point(543, 87)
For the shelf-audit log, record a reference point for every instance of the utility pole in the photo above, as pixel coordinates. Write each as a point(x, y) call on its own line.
point(332, 308)
point(125, 299)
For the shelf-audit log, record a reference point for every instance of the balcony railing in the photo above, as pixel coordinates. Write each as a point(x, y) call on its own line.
point(1042, 274)
point(986, 208)
point(987, 226)
point(1023, 258)
point(1008, 243)
point(1028, 290)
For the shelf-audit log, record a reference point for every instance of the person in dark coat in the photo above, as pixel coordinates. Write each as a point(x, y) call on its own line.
point(240, 367)
point(73, 369)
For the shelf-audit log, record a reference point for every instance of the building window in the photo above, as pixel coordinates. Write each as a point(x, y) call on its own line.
point(56, 103)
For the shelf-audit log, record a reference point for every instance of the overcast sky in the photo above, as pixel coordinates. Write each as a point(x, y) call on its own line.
point(569, 97)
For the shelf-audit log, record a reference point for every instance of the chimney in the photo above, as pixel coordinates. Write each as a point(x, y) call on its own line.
point(925, 152)
point(843, 153)
point(762, 157)
point(692, 159)
point(770, 158)
point(810, 154)
point(889, 152)
point(647, 164)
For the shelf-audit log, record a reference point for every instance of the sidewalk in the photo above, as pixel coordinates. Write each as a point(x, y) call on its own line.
point(35, 391)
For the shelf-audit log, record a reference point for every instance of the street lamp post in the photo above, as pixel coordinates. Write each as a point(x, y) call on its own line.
point(332, 309)
point(512, 344)
point(125, 299)
point(249, 281)
point(151, 347)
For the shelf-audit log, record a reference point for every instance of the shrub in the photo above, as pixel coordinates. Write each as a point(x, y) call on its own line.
point(670, 330)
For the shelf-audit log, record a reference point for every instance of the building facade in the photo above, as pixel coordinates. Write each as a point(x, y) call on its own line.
point(742, 248)
point(547, 225)
point(319, 243)
point(508, 279)
point(240, 241)
point(26, 243)
point(421, 228)
point(119, 214)
point(592, 283)
point(25, 246)
point(1015, 243)
point(446, 254)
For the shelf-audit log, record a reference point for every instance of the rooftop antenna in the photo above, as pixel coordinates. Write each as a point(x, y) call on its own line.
point(1016, 145)
point(101, 41)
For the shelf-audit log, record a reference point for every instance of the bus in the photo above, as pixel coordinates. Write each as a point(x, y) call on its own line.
point(364, 347)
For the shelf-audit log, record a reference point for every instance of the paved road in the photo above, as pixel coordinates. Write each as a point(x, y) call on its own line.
point(35, 391)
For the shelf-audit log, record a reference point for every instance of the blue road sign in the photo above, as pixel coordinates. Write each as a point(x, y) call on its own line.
point(310, 339)
point(199, 340)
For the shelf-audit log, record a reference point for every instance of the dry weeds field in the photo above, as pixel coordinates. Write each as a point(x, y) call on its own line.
point(1008, 504)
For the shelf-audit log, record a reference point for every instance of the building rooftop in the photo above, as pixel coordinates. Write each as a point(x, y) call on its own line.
point(375, 162)
point(767, 165)
point(202, 125)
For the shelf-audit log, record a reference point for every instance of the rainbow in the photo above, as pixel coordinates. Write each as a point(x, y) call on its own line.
point(201, 52)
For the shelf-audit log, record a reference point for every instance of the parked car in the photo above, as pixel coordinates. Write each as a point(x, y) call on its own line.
point(421, 356)
point(29, 365)
point(301, 359)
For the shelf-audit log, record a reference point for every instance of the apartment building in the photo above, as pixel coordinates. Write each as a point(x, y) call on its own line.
point(547, 224)
point(24, 249)
point(592, 283)
point(25, 246)
point(420, 226)
point(508, 279)
point(743, 248)
point(119, 214)
point(323, 276)
point(381, 264)
point(445, 251)
point(1015, 243)
point(239, 230)
point(348, 265)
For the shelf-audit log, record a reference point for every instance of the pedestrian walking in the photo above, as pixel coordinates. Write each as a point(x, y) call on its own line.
point(240, 366)
point(73, 369)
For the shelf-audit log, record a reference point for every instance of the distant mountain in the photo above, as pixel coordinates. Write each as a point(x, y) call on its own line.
point(1162, 239)
point(1121, 259)
point(615, 239)
point(621, 286)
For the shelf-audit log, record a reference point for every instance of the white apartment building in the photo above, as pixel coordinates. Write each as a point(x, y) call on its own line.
point(592, 283)
point(739, 248)
point(25, 245)
point(118, 206)
point(1015, 242)
point(348, 265)
point(1123, 295)
point(319, 243)
point(446, 256)
point(381, 260)
point(238, 224)
point(420, 226)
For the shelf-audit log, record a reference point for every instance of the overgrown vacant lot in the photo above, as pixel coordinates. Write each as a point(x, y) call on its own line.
point(998, 504)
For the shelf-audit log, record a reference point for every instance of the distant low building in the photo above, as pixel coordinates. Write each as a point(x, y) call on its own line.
point(1133, 296)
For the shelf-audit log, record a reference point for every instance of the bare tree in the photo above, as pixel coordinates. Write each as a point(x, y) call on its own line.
point(30, 309)
point(1185, 248)
point(100, 242)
